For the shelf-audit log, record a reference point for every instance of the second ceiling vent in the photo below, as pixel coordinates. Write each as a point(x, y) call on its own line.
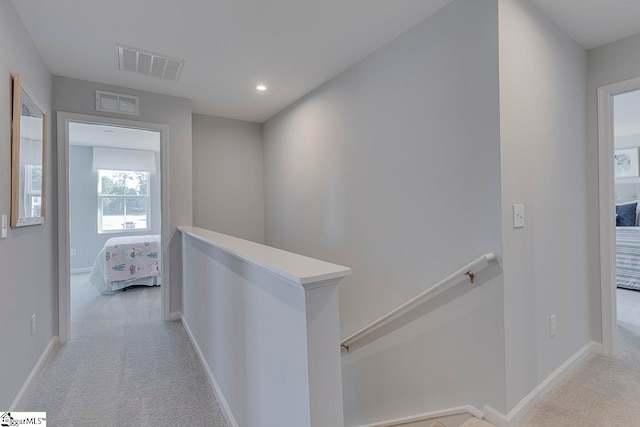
point(149, 64)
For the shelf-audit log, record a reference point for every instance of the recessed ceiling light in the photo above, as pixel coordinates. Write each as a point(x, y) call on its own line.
point(261, 88)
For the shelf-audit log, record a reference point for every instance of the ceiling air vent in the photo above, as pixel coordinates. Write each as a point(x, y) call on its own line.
point(149, 64)
point(117, 103)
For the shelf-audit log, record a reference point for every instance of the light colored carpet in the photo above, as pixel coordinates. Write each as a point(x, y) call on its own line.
point(123, 366)
point(476, 422)
point(602, 391)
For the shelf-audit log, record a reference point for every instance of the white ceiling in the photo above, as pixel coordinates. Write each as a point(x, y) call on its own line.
point(594, 23)
point(292, 46)
point(92, 135)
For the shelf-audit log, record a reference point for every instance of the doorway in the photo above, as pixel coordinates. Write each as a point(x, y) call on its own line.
point(619, 152)
point(112, 206)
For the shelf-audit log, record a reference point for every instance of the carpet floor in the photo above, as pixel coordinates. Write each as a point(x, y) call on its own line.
point(602, 391)
point(123, 366)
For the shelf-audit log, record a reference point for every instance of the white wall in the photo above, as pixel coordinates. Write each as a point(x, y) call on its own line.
point(271, 344)
point(28, 269)
point(228, 192)
point(78, 96)
point(83, 205)
point(393, 168)
point(542, 132)
point(612, 63)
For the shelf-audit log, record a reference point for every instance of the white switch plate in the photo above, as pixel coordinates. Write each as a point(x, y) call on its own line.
point(553, 327)
point(518, 216)
point(33, 324)
point(74, 252)
point(3, 227)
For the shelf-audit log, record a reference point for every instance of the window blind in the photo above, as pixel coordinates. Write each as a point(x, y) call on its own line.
point(124, 159)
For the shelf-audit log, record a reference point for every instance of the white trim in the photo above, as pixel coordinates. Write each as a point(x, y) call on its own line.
point(39, 364)
point(466, 409)
point(175, 315)
point(81, 270)
point(499, 419)
point(224, 406)
point(64, 294)
point(606, 183)
point(496, 417)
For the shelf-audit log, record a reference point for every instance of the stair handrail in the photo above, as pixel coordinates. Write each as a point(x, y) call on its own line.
point(466, 271)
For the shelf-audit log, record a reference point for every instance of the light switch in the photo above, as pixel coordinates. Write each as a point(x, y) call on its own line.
point(3, 228)
point(518, 216)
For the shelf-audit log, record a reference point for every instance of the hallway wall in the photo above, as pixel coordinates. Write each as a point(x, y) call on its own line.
point(393, 169)
point(228, 175)
point(28, 261)
point(543, 152)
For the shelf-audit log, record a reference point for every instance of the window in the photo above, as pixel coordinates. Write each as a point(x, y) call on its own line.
point(123, 201)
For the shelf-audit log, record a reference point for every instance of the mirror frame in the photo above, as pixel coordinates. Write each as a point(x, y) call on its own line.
point(16, 221)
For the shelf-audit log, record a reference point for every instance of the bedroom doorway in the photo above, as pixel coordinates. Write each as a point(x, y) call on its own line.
point(626, 142)
point(619, 152)
point(112, 223)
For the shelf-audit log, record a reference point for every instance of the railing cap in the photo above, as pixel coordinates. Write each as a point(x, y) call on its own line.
point(298, 269)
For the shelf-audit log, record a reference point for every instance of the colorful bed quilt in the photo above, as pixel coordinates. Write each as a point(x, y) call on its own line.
point(133, 261)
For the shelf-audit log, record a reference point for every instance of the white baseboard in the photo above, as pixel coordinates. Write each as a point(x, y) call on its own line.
point(80, 270)
point(520, 410)
point(596, 347)
point(39, 364)
point(224, 406)
point(466, 409)
point(175, 315)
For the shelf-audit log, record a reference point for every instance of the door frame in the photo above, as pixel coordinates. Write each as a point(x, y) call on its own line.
point(607, 211)
point(64, 268)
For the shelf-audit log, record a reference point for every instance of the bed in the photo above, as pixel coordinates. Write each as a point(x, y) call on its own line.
point(127, 261)
point(628, 257)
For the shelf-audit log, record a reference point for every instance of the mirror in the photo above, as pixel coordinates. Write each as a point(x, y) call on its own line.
point(28, 144)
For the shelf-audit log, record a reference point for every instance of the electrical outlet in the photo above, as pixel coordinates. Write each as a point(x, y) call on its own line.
point(74, 252)
point(553, 328)
point(33, 324)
